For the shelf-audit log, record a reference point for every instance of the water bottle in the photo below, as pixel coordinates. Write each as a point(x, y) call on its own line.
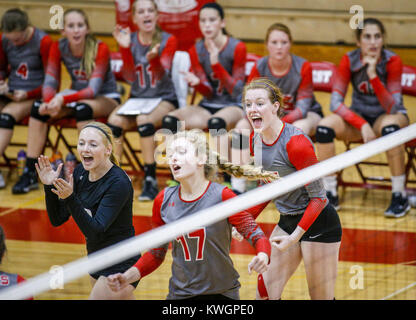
point(21, 162)
point(69, 166)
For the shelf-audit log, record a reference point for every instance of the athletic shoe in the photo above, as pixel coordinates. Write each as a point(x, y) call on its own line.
point(150, 190)
point(333, 200)
point(2, 182)
point(27, 181)
point(399, 206)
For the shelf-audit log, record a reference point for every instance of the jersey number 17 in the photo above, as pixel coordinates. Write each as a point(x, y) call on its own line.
point(200, 236)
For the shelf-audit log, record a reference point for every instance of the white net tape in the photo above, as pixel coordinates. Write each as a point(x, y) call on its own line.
point(166, 233)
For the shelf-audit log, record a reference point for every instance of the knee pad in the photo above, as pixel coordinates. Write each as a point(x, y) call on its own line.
point(239, 141)
point(146, 130)
point(7, 121)
point(34, 112)
point(171, 123)
point(389, 129)
point(261, 288)
point(324, 134)
point(117, 131)
point(217, 126)
point(83, 112)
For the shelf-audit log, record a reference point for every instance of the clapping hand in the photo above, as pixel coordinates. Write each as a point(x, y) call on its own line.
point(48, 176)
point(122, 36)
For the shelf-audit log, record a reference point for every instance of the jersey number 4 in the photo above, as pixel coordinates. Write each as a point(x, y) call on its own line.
point(200, 236)
point(22, 71)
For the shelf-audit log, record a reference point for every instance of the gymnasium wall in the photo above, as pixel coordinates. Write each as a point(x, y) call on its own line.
point(320, 28)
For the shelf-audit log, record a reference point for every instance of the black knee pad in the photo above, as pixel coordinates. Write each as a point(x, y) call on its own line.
point(83, 112)
point(239, 141)
point(324, 134)
point(389, 129)
point(7, 121)
point(171, 123)
point(34, 112)
point(117, 131)
point(217, 126)
point(146, 130)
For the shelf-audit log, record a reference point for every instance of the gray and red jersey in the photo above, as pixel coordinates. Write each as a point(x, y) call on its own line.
point(27, 63)
point(221, 84)
point(296, 86)
point(201, 261)
point(10, 279)
point(293, 150)
point(370, 98)
point(101, 82)
point(150, 79)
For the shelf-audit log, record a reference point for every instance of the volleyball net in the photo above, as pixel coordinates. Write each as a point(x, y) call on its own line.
point(164, 234)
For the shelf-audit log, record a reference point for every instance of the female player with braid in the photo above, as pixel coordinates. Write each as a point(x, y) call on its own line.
point(309, 227)
point(93, 92)
point(202, 267)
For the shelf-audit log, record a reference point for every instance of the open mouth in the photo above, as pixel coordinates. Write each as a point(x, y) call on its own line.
point(257, 121)
point(176, 168)
point(87, 160)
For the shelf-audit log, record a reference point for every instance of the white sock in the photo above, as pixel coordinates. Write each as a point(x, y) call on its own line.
point(330, 184)
point(398, 184)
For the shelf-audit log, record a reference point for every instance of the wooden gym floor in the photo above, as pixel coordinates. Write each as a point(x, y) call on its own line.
point(377, 257)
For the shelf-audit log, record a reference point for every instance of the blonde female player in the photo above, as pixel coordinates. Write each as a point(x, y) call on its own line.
point(202, 267)
point(99, 197)
point(377, 108)
point(93, 92)
point(309, 227)
point(147, 60)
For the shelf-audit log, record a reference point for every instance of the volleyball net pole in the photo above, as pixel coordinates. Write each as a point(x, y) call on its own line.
point(166, 233)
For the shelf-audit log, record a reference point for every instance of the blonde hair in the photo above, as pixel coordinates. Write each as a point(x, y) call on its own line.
point(216, 163)
point(91, 45)
point(107, 136)
point(273, 91)
point(157, 35)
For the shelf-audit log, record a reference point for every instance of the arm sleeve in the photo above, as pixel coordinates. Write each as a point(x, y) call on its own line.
point(128, 70)
point(390, 96)
point(45, 46)
point(304, 97)
point(162, 64)
point(247, 227)
point(53, 73)
point(152, 259)
point(339, 89)
point(102, 63)
point(233, 82)
point(302, 155)
point(55, 208)
point(112, 201)
point(3, 61)
point(204, 87)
